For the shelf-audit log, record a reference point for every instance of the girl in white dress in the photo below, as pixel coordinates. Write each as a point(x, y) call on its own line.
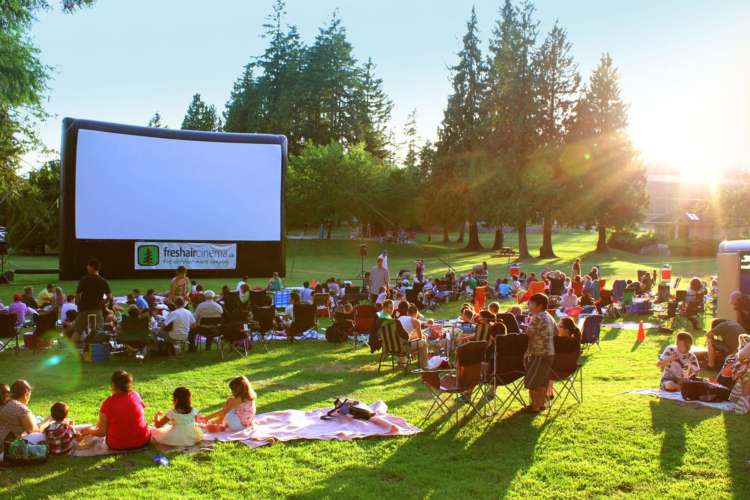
point(178, 427)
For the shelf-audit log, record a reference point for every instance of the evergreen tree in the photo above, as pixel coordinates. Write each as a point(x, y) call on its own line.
point(200, 116)
point(244, 109)
point(460, 132)
point(611, 188)
point(156, 122)
point(510, 110)
point(410, 133)
point(373, 112)
point(557, 87)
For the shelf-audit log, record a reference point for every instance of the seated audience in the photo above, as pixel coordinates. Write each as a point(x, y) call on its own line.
point(209, 308)
point(46, 297)
point(241, 282)
point(306, 294)
point(178, 427)
point(28, 298)
point(569, 299)
point(504, 290)
point(121, 419)
point(20, 309)
point(678, 363)
point(178, 323)
point(69, 326)
point(196, 296)
point(387, 311)
point(740, 376)
point(724, 338)
point(238, 412)
point(16, 419)
point(413, 332)
point(59, 434)
point(69, 305)
point(568, 328)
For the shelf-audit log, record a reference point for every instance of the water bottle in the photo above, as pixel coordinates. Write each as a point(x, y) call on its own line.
point(161, 460)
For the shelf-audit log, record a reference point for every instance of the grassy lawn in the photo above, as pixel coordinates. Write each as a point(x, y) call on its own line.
point(613, 445)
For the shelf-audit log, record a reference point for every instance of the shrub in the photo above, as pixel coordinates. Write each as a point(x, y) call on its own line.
point(632, 242)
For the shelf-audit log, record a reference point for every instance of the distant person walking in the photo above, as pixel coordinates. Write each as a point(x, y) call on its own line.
point(92, 294)
point(576, 268)
point(378, 278)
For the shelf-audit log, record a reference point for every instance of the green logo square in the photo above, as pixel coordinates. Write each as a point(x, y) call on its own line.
point(148, 255)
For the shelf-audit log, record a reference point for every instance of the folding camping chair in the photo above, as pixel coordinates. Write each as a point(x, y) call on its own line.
point(135, 334)
point(364, 320)
point(232, 330)
point(304, 320)
point(45, 329)
point(592, 326)
point(507, 371)
point(322, 309)
point(258, 298)
point(210, 328)
point(462, 384)
point(510, 322)
point(566, 372)
point(264, 317)
point(484, 332)
point(232, 301)
point(9, 332)
point(618, 289)
point(393, 345)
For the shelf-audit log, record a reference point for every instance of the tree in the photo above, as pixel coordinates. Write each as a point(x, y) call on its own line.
point(511, 114)
point(374, 112)
point(611, 179)
point(34, 221)
point(24, 81)
point(460, 131)
point(155, 121)
point(410, 133)
point(557, 87)
point(201, 116)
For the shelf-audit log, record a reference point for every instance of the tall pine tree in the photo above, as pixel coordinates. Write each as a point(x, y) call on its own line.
point(201, 116)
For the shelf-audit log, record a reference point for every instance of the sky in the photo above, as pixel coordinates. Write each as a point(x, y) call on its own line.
point(684, 64)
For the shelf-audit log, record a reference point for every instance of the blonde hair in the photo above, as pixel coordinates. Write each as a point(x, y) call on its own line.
point(743, 340)
point(242, 389)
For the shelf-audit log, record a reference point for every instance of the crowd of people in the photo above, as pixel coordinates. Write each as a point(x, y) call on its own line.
point(122, 422)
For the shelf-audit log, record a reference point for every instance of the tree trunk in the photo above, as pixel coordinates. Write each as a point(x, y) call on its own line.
point(601, 244)
point(546, 251)
point(523, 245)
point(446, 238)
point(499, 243)
point(474, 243)
point(461, 233)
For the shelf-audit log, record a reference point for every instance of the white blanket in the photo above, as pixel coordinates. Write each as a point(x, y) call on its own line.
point(676, 396)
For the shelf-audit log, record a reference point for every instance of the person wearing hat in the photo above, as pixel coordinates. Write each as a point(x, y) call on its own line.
point(209, 308)
point(20, 309)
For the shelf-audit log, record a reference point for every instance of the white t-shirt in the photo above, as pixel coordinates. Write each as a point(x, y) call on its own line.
point(68, 306)
point(569, 300)
point(181, 320)
point(238, 288)
point(408, 323)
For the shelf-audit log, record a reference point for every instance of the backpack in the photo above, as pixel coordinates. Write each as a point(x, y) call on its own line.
point(21, 452)
point(344, 406)
point(336, 333)
point(701, 389)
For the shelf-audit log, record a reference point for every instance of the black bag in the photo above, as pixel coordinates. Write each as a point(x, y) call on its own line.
point(336, 333)
point(701, 389)
point(349, 407)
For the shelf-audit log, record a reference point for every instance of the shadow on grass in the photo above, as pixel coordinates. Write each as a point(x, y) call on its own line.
point(671, 419)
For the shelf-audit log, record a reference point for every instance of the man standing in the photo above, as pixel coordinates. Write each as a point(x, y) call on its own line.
point(378, 279)
point(92, 293)
point(540, 352)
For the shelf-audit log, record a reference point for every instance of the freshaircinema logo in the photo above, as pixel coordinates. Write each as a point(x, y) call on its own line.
point(152, 255)
point(148, 255)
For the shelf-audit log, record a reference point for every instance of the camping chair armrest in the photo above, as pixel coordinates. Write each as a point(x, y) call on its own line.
point(442, 370)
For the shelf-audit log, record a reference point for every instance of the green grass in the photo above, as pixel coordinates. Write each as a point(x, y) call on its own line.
point(613, 445)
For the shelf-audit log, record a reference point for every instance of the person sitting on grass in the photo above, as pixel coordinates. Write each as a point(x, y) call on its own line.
point(59, 433)
point(540, 352)
point(16, 418)
point(122, 422)
point(677, 363)
point(569, 299)
point(238, 412)
point(722, 338)
point(178, 427)
point(735, 375)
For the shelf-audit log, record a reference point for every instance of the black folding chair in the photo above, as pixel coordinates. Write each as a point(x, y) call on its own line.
point(304, 320)
point(210, 328)
point(258, 298)
point(510, 322)
point(135, 334)
point(567, 371)
point(232, 301)
point(45, 329)
point(462, 384)
point(264, 316)
point(507, 371)
point(483, 332)
point(232, 331)
point(9, 332)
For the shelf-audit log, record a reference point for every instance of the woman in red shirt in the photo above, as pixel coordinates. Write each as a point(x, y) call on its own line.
point(121, 419)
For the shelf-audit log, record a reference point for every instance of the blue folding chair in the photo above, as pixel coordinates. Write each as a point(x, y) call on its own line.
point(618, 289)
point(592, 326)
point(282, 298)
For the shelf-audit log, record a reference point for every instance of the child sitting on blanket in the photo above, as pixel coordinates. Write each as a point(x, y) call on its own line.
point(678, 363)
point(60, 434)
point(238, 412)
point(178, 427)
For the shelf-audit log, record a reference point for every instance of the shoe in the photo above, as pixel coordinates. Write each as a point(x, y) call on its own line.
point(530, 410)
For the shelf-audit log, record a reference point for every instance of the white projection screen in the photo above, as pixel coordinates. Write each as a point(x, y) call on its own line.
point(123, 185)
point(134, 187)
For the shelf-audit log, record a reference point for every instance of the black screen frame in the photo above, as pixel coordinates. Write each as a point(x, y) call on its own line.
point(254, 258)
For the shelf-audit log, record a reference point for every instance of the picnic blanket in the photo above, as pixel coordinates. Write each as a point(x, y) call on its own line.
point(676, 396)
point(280, 426)
point(629, 325)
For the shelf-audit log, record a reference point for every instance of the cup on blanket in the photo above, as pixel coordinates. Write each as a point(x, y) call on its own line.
point(213, 427)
